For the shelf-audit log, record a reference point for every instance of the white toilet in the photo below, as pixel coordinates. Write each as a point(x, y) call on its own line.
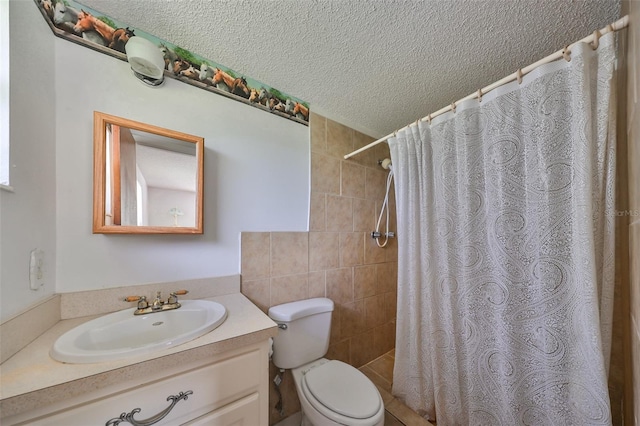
point(331, 393)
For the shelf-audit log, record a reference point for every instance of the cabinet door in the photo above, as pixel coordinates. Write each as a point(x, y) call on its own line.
point(213, 387)
point(243, 412)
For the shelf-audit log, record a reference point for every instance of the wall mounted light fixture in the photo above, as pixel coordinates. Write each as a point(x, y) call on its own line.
point(146, 60)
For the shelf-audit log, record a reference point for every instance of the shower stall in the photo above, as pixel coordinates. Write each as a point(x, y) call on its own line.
point(506, 233)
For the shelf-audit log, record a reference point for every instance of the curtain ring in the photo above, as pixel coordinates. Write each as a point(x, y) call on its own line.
point(519, 75)
point(453, 106)
point(610, 28)
point(429, 119)
point(596, 40)
point(479, 95)
point(566, 54)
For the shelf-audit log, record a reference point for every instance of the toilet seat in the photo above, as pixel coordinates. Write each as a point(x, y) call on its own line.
point(341, 393)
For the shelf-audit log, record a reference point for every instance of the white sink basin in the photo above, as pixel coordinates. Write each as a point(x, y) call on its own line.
point(122, 334)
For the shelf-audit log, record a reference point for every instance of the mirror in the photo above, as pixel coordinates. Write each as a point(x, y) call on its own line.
point(146, 179)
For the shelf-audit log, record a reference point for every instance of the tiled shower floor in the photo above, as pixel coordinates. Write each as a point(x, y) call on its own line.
point(380, 371)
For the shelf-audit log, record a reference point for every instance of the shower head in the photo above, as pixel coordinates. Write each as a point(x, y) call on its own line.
point(386, 163)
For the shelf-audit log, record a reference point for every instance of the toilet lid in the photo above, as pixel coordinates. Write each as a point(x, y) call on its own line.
point(343, 389)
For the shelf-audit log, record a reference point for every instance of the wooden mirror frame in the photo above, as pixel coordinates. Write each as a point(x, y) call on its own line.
point(100, 122)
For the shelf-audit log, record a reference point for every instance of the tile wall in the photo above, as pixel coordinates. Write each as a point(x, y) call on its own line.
point(619, 367)
point(632, 8)
point(337, 258)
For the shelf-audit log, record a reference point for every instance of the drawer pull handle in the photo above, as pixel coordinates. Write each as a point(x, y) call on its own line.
point(128, 417)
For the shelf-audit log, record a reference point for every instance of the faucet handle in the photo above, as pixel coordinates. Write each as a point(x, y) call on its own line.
point(173, 296)
point(142, 301)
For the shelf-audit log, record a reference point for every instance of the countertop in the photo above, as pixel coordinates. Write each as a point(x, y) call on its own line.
point(31, 378)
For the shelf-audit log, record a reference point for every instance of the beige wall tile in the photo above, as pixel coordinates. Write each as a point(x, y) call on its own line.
point(383, 342)
point(351, 249)
point(317, 213)
point(380, 152)
point(374, 311)
point(365, 158)
point(364, 281)
point(258, 291)
point(289, 253)
point(340, 351)
point(289, 289)
point(391, 249)
point(633, 140)
point(255, 255)
point(635, 352)
point(339, 214)
point(339, 139)
point(352, 317)
point(336, 325)
point(362, 349)
point(634, 257)
point(318, 127)
point(633, 59)
point(364, 215)
point(317, 284)
point(384, 338)
point(376, 184)
point(391, 305)
point(324, 250)
point(340, 285)
point(387, 277)
point(325, 174)
point(373, 253)
point(353, 177)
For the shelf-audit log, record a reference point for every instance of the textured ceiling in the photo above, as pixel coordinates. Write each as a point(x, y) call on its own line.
point(373, 65)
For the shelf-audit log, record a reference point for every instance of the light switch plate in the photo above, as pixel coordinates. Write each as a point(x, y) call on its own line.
point(36, 273)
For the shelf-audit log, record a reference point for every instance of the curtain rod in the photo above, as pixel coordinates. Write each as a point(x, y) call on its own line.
point(564, 53)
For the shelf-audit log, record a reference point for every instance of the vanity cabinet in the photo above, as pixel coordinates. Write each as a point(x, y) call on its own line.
point(230, 388)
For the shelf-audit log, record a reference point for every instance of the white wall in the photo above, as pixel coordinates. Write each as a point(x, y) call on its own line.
point(256, 169)
point(161, 200)
point(27, 220)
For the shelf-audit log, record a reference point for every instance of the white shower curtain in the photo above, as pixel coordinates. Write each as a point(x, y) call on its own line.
point(506, 251)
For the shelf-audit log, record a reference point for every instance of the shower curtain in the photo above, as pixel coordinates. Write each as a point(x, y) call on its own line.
point(506, 251)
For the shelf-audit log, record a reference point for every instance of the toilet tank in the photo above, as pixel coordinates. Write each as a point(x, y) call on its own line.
point(305, 327)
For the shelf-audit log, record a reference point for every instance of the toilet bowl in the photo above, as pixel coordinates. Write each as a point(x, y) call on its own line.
point(331, 392)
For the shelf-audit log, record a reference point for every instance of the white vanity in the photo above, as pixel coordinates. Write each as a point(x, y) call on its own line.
point(220, 378)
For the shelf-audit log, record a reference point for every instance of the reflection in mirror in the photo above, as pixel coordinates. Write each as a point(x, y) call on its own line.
point(146, 179)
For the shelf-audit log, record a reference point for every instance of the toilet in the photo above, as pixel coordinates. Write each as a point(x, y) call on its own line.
point(331, 392)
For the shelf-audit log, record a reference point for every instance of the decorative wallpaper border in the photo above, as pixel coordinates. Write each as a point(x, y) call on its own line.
point(82, 25)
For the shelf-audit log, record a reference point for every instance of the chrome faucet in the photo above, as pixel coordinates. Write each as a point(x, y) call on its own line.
point(158, 305)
